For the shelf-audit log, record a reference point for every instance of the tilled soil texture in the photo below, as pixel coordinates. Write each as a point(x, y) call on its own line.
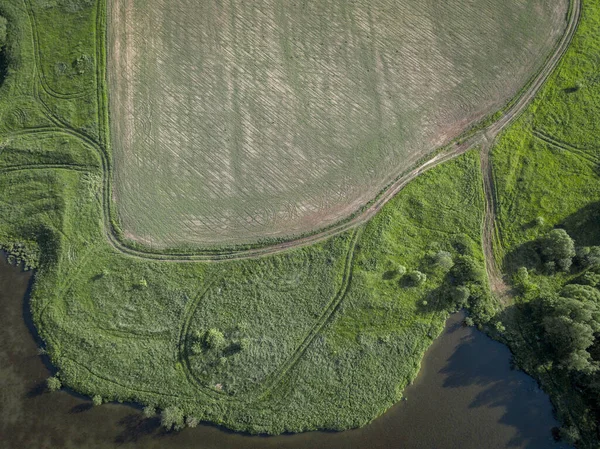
point(238, 121)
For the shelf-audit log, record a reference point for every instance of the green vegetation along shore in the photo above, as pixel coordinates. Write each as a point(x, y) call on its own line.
point(325, 336)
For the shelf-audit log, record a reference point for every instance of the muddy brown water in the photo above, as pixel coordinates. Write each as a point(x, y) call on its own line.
point(466, 396)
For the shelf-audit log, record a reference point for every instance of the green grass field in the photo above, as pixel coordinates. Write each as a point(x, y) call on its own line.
point(296, 332)
point(235, 122)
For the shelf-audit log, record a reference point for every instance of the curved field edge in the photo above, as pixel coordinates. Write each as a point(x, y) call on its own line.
point(365, 212)
point(185, 215)
point(100, 144)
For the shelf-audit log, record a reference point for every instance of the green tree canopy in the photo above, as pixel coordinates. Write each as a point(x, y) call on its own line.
point(558, 245)
point(172, 418)
point(570, 324)
point(467, 269)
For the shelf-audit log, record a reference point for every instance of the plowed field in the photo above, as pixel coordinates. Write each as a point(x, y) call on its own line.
point(234, 121)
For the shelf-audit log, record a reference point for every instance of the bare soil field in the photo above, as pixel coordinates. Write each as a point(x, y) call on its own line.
point(234, 121)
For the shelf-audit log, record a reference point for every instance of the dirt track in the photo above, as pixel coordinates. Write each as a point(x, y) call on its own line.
point(497, 283)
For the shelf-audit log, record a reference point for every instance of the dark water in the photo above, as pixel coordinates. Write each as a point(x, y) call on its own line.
point(465, 397)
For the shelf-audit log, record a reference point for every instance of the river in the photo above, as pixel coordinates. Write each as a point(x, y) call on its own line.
point(466, 396)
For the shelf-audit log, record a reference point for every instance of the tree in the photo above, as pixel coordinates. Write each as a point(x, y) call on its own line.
point(467, 269)
point(97, 400)
point(172, 418)
point(53, 383)
point(570, 324)
point(443, 260)
point(214, 339)
point(588, 256)
point(416, 278)
point(460, 295)
point(557, 245)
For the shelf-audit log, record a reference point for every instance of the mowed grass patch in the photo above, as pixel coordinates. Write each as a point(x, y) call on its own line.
point(240, 121)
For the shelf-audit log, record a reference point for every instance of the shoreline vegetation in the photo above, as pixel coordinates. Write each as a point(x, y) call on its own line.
point(317, 337)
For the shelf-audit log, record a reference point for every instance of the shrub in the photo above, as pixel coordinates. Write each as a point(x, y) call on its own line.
point(53, 383)
point(416, 278)
point(443, 260)
point(142, 283)
point(214, 339)
point(3, 24)
point(149, 411)
point(172, 418)
point(192, 422)
point(244, 344)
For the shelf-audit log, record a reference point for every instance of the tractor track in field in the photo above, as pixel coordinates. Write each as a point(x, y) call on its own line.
point(275, 378)
point(490, 232)
point(483, 138)
point(25, 167)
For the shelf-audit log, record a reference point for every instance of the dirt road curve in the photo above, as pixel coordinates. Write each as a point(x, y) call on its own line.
point(485, 138)
point(497, 283)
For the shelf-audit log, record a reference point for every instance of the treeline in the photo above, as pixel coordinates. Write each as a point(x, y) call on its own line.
point(563, 312)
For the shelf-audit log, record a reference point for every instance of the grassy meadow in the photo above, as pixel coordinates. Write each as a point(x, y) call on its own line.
point(325, 336)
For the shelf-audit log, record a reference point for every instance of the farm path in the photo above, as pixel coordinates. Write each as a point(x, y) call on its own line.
point(488, 136)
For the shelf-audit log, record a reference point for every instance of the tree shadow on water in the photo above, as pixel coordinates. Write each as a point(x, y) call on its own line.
point(80, 408)
point(136, 427)
point(480, 361)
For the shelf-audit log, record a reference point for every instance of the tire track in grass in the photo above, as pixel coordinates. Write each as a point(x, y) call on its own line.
point(276, 377)
point(72, 167)
point(491, 240)
point(38, 61)
point(564, 146)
